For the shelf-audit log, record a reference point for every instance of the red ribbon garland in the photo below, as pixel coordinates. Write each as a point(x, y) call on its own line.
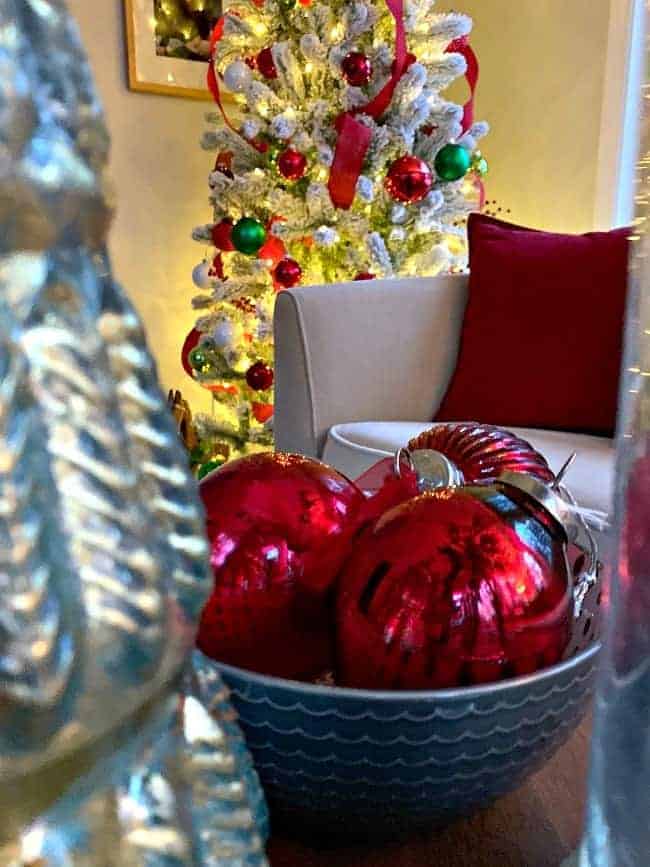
point(353, 136)
point(462, 46)
point(213, 80)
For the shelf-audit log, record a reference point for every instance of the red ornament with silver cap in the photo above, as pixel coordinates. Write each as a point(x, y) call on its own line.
point(470, 581)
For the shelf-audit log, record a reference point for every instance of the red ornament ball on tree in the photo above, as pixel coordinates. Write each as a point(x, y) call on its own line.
point(292, 164)
point(364, 275)
point(266, 64)
point(287, 273)
point(455, 587)
point(409, 179)
point(279, 528)
point(260, 376)
point(356, 68)
point(222, 236)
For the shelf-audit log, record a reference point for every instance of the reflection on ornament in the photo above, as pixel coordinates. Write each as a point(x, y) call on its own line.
point(409, 179)
point(458, 586)
point(222, 235)
point(356, 68)
point(452, 162)
point(292, 164)
point(260, 376)
point(237, 76)
point(248, 235)
point(287, 273)
point(279, 528)
point(266, 64)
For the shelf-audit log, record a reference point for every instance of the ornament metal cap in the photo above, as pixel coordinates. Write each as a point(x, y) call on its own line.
point(559, 503)
point(432, 469)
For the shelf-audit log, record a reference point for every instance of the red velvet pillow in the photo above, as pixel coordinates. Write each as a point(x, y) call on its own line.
point(543, 329)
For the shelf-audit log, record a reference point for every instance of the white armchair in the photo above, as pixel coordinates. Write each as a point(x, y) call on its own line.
point(362, 367)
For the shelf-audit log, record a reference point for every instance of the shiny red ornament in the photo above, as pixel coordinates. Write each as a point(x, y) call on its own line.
point(364, 275)
point(454, 587)
point(287, 273)
point(260, 376)
point(266, 64)
point(222, 235)
point(279, 527)
point(292, 164)
point(356, 68)
point(409, 179)
point(483, 452)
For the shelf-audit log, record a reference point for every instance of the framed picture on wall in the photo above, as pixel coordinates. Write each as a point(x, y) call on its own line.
point(168, 45)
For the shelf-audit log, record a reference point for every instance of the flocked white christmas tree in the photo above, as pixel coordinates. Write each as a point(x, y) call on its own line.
point(340, 160)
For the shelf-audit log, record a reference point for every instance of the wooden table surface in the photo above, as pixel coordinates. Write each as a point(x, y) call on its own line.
point(536, 826)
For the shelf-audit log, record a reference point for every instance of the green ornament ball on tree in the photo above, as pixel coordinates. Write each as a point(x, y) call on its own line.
point(286, 5)
point(248, 235)
point(452, 162)
point(197, 358)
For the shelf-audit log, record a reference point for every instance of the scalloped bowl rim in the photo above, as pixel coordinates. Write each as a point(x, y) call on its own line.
point(426, 695)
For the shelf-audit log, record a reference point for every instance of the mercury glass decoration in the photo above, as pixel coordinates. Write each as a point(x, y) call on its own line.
point(618, 830)
point(103, 561)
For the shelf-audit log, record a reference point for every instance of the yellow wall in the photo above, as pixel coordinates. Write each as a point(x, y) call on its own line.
point(542, 68)
point(160, 174)
point(541, 89)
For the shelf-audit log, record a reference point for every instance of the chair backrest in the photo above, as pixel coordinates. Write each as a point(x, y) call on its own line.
point(362, 351)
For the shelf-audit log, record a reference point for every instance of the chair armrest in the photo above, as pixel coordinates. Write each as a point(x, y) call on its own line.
point(364, 351)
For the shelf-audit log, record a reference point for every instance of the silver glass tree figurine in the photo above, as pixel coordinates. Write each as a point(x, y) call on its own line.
point(112, 751)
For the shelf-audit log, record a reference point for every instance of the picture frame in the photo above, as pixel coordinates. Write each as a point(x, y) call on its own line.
point(167, 47)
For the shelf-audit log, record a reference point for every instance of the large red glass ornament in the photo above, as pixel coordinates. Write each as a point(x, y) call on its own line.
point(356, 68)
point(287, 273)
point(454, 587)
point(409, 179)
point(483, 452)
point(259, 376)
point(266, 64)
point(279, 527)
point(292, 164)
point(222, 235)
